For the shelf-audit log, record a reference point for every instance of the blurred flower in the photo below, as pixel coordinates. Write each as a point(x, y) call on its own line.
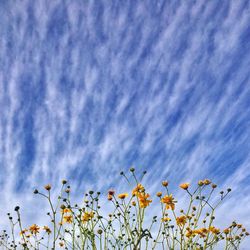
point(47, 229)
point(87, 216)
point(181, 221)
point(47, 187)
point(164, 183)
point(34, 229)
point(169, 201)
point(138, 189)
point(184, 186)
point(143, 200)
point(122, 196)
point(68, 218)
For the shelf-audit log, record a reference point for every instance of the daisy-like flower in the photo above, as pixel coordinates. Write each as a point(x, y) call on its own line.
point(87, 216)
point(181, 221)
point(165, 219)
point(23, 232)
point(68, 218)
point(138, 189)
point(47, 229)
point(34, 229)
point(184, 186)
point(66, 210)
point(122, 196)
point(143, 200)
point(214, 230)
point(169, 201)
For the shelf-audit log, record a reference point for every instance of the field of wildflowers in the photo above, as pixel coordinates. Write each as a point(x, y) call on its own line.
point(86, 227)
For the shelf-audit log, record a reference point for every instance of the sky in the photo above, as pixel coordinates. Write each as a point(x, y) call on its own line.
point(90, 88)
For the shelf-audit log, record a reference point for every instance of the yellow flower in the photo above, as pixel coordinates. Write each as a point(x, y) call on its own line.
point(159, 194)
point(184, 186)
point(122, 196)
point(66, 210)
point(143, 200)
point(169, 201)
point(201, 232)
point(133, 203)
point(200, 183)
point(138, 189)
point(181, 221)
point(61, 244)
point(214, 230)
point(47, 187)
point(226, 231)
point(207, 182)
point(23, 232)
point(34, 229)
point(68, 218)
point(87, 216)
point(47, 229)
point(164, 183)
point(165, 219)
point(190, 233)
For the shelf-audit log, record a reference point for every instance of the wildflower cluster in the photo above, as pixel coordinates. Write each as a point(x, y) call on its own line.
point(130, 225)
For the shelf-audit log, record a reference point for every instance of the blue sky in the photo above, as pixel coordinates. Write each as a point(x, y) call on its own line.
point(89, 88)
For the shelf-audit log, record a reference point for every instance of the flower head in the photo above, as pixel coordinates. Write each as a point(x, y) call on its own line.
point(214, 230)
point(87, 216)
point(181, 221)
point(207, 182)
point(47, 229)
point(122, 196)
point(169, 201)
point(143, 200)
point(68, 218)
point(34, 229)
point(47, 187)
point(184, 186)
point(138, 189)
point(164, 183)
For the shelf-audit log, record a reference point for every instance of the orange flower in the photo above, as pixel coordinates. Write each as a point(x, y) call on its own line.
point(87, 216)
point(143, 200)
point(47, 229)
point(181, 221)
point(159, 194)
point(47, 187)
point(169, 201)
point(122, 196)
point(34, 229)
point(23, 232)
point(165, 219)
point(133, 203)
point(164, 183)
point(184, 186)
point(214, 230)
point(66, 210)
point(68, 218)
point(138, 189)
